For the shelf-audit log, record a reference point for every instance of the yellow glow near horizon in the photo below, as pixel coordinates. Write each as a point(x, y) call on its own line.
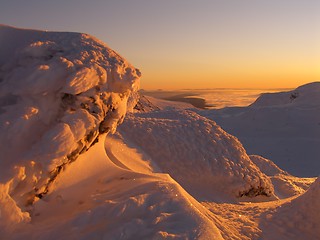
point(260, 74)
point(194, 44)
point(254, 63)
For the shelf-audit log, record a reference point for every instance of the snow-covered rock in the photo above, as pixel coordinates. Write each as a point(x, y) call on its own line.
point(208, 162)
point(58, 92)
point(283, 127)
point(266, 166)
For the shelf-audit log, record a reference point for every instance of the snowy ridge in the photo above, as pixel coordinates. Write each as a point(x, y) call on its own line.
point(196, 152)
point(283, 127)
point(267, 166)
point(58, 92)
point(308, 94)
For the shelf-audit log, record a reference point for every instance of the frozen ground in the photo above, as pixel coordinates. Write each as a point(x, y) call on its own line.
point(67, 172)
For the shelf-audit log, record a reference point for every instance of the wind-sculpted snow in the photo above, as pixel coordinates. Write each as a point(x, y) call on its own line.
point(197, 153)
point(298, 219)
point(58, 92)
point(95, 199)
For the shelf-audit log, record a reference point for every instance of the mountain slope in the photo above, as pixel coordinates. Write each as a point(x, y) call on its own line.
point(283, 127)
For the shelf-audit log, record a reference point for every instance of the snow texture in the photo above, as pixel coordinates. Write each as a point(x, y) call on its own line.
point(96, 199)
point(63, 176)
point(197, 153)
point(298, 219)
point(58, 91)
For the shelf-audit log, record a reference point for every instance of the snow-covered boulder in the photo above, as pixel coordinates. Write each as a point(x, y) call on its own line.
point(58, 92)
point(208, 162)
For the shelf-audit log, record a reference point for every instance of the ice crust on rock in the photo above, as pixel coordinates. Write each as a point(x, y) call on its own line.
point(58, 91)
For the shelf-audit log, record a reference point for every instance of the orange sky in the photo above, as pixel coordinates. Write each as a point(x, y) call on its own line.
point(193, 44)
point(233, 73)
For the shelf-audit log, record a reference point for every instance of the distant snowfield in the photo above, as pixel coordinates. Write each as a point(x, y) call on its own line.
point(72, 166)
point(284, 127)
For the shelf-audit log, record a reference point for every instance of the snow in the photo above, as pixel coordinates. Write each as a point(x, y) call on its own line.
point(285, 185)
point(283, 127)
point(115, 203)
point(10, 213)
point(180, 140)
point(58, 92)
point(68, 171)
point(297, 219)
point(307, 94)
point(57, 88)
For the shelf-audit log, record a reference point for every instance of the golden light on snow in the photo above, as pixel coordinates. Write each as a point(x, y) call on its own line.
point(31, 111)
point(141, 181)
point(44, 67)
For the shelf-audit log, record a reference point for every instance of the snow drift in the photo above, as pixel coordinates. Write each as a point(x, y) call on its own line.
point(297, 219)
point(197, 153)
point(96, 199)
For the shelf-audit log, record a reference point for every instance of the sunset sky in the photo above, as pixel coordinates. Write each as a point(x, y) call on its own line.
point(193, 44)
